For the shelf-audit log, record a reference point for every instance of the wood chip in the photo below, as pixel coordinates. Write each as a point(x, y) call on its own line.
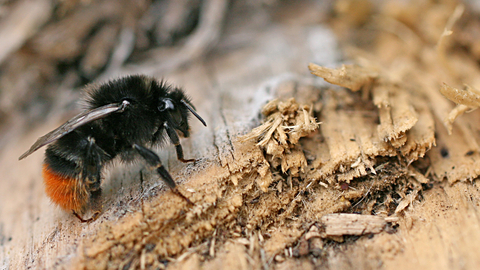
point(352, 224)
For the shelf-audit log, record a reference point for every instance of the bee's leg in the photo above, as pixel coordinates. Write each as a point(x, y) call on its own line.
point(94, 158)
point(93, 218)
point(172, 134)
point(95, 205)
point(79, 217)
point(154, 161)
point(96, 202)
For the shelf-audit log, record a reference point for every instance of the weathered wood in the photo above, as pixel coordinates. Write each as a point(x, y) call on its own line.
point(255, 61)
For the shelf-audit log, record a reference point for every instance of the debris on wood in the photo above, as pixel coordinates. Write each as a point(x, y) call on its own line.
point(286, 122)
point(350, 76)
point(354, 224)
point(408, 98)
point(467, 99)
point(405, 202)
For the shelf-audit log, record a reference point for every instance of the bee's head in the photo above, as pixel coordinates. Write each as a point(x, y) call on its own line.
point(176, 107)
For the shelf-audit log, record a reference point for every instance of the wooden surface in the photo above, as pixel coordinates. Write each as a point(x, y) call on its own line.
point(228, 89)
point(260, 54)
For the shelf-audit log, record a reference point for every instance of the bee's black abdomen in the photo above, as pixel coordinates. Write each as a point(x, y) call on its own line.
point(60, 165)
point(73, 152)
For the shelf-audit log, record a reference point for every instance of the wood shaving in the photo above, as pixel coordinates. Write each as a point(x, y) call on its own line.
point(353, 224)
point(350, 76)
point(467, 100)
point(286, 123)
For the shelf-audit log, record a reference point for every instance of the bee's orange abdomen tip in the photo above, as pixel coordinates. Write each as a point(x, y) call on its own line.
point(64, 191)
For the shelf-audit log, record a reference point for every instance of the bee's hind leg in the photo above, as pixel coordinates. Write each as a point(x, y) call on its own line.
point(95, 204)
point(94, 217)
point(91, 171)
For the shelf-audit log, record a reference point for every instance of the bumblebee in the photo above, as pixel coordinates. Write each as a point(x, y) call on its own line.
point(123, 118)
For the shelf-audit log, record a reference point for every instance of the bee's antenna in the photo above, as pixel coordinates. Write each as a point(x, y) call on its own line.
point(190, 108)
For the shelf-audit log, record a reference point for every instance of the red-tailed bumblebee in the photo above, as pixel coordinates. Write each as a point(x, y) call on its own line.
point(123, 117)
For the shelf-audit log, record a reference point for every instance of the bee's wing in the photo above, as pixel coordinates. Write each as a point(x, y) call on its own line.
point(75, 122)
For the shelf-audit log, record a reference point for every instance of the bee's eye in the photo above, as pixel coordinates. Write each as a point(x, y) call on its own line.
point(165, 104)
